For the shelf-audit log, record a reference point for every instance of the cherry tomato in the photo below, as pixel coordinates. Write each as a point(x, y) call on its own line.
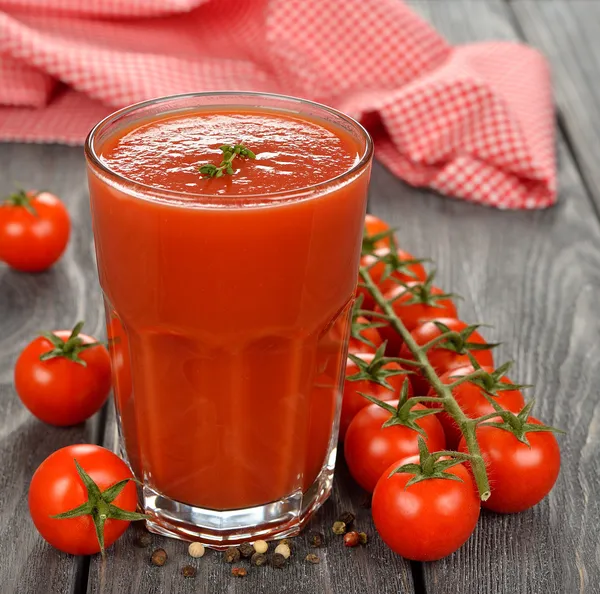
point(520, 475)
point(374, 226)
point(449, 354)
point(376, 267)
point(429, 519)
point(56, 487)
point(370, 448)
point(412, 314)
point(356, 346)
point(69, 387)
point(34, 230)
point(352, 401)
point(471, 399)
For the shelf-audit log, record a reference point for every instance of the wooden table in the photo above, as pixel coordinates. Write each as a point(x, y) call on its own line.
point(534, 275)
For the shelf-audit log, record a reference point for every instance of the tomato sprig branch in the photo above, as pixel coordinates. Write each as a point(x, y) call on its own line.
point(23, 199)
point(70, 348)
point(422, 293)
point(431, 466)
point(370, 242)
point(467, 426)
point(358, 327)
point(404, 414)
point(458, 342)
point(229, 154)
point(99, 505)
point(374, 370)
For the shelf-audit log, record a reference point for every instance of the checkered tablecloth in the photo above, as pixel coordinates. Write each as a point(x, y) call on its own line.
point(473, 121)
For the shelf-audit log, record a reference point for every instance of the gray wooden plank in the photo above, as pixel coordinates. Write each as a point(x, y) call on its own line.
point(534, 276)
point(28, 304)
point(567, 32)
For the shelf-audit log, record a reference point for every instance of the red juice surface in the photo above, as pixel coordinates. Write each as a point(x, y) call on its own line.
point(228, 316)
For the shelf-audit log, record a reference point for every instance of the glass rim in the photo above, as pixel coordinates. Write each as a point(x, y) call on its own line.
point(174, 196)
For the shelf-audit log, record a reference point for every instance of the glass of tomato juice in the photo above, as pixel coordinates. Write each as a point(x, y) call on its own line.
point(228, 302)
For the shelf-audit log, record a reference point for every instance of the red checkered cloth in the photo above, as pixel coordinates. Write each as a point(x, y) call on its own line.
point(473, 121)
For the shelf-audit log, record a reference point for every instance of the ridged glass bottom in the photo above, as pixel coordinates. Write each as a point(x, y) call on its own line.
point(222, 529)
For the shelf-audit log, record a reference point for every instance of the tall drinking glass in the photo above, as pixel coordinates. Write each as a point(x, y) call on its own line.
point(228, 318)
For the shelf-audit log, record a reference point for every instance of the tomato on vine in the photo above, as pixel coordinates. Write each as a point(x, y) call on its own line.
point(384, 432)
point(522, 460)
point(82, 499)
point(414, 303)
point(34, 230)
point(388, 268)
point(369, 374)
point(450, 353)
point(425, 507)
point(63, 377)
point(474, 396)
point(377, 233)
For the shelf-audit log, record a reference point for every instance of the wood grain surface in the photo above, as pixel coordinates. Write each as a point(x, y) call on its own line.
point(534, 275)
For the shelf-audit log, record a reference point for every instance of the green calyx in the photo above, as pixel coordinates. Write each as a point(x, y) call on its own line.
point(430, 466)
point(22, 199)
point(458, 341)
point(99, 505)
point(404, 414)
point(517, 424)
point(393, 263)
point(421, 293)
point(358, 327)
point(369, 242)
point(229, 154)
point(374, 371)
point(490, 382)
point(68, 349)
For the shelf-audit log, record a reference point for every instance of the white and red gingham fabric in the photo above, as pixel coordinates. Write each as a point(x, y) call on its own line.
point(473, 121)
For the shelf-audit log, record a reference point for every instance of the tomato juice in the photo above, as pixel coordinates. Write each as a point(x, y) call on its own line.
point(228, 299)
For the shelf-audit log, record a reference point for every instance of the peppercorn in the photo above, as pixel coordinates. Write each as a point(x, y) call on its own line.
point(284, 550)
point(312, 558)
point(232, 555)
point(261, 546)
point(188, 571)
point(159, 557)
point(288, 542)
point(316, 539)
point(277, 560)
point(196, 550)
point(239, 571)
point(339, 527)
point(347, 518)
point(362, 538)
point(351, 539)
point(246, 550)
point(258, 559)
point(143, 540)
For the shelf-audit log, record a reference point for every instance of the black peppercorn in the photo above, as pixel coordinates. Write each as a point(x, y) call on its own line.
point(159, 557)
point(316, 539)
point(188, 571)
point(232, 555)
point(278, 560)
point(246, 550)
point(347, 518)
point(258, 559)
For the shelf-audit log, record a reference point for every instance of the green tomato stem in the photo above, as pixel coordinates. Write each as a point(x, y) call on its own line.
point(442, 390)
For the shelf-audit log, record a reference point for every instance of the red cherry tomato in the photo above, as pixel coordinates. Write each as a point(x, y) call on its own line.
point(412, 314)
point(376, 267)
point(61, 391)
point(520, 475)
point(429, 519)
point(370, 448)
point(444, 356)
point(56, 487)
point(34, 231)
point(472, 401)
point(374, 226)
point(352, 401)
point(356, 346)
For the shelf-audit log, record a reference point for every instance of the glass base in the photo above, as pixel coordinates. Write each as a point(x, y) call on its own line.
point(222, 529)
